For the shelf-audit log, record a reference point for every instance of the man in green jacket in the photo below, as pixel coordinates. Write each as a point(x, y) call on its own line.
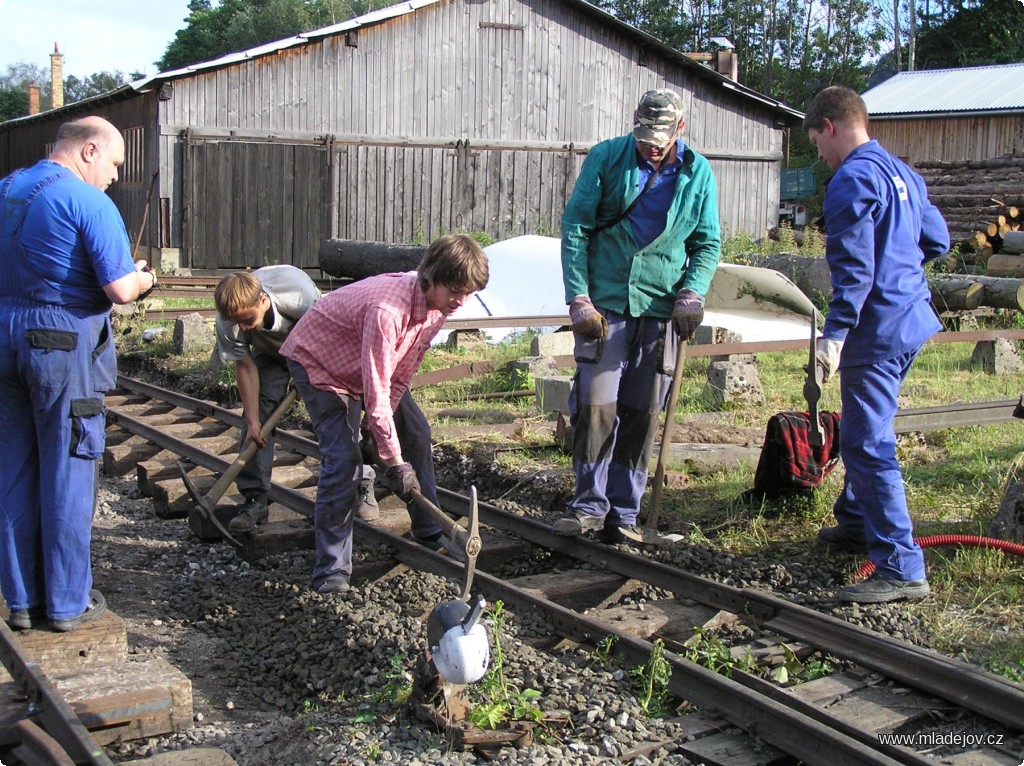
point(640, 244)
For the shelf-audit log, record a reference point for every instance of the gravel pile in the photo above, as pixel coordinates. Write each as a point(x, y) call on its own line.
point(282, 675)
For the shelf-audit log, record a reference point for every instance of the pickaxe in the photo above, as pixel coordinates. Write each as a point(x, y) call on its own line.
point(467, 539)
point(206, 504)
point(650, 533)
point(812, 388)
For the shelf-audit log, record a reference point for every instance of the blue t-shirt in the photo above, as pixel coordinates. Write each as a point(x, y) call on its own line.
point(67, 244)
point(881, 230)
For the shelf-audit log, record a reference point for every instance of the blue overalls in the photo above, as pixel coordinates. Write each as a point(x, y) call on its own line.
point(55, 364)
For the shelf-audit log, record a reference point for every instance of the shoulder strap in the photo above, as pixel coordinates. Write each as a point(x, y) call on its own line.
point(629, 208)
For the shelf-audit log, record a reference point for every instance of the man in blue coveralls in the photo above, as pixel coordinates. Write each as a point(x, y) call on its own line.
point(64, 257)
point(640, 244)
point(881, 231)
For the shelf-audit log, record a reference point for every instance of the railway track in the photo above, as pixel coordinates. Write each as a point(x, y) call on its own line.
point(885, 685)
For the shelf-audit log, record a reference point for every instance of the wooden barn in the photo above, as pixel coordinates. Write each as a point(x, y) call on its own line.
point(422, 118)
point(974, 113)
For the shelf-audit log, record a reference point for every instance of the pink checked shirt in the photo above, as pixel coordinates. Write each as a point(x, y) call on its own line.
point(367, 339)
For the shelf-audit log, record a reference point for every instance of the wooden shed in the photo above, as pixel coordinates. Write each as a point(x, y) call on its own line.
point(973, 113)
point(422, 118)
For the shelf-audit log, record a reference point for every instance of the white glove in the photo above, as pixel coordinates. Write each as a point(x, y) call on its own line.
point(826, 356)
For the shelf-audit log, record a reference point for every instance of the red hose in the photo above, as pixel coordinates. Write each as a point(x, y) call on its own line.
point(968, 541)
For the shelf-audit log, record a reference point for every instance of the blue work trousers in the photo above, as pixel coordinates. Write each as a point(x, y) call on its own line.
point(335, 419)
point(254, 478)
point(614, 406)
point(54, 369)
point(873, 502)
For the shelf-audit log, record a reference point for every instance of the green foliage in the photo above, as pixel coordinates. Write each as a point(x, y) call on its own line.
point(603, 651)
point(234, 25)
point(792, 671)
point(710, 652)
point(93, 85)
point(498, 699)
point(975, 34)
point(398, 688)
point(651, 681)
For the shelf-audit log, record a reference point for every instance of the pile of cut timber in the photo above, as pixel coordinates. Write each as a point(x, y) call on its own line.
point(983, 203)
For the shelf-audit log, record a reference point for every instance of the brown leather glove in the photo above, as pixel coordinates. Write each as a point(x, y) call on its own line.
point(587, 320)
point(401, 479)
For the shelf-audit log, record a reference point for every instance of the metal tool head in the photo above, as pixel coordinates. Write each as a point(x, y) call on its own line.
point(473, 544)
point(203, 505)
point(812, 388)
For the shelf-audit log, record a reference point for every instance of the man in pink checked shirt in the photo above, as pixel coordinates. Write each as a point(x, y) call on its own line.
point(355, 350)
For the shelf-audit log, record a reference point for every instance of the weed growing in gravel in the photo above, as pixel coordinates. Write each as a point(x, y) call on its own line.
point(500, 700)
point(794, 671)
point(398, 688)
point(651, 681)
point(710, 652)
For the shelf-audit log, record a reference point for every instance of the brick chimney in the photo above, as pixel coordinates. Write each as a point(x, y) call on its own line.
point(33, 99)
point(57, 76)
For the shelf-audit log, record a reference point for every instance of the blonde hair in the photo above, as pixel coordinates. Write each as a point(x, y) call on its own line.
point(236, 292)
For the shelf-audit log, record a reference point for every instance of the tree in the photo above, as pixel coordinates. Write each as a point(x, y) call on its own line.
point(93, 85)
point(975, 34)
point(234, 25)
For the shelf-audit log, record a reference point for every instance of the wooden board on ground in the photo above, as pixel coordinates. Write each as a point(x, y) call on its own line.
point(672, 619)
point(578, 588)
point(102, 642)
point(146, 697)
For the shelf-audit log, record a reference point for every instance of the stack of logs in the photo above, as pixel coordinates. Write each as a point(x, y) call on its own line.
point(983, 203)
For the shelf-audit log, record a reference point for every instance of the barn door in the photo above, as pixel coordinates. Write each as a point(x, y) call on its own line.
point(248, 205)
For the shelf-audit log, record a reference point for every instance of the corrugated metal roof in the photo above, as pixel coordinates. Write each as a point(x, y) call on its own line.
point(938, 91)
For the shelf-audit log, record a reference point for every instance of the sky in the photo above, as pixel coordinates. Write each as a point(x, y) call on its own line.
point(94, 35)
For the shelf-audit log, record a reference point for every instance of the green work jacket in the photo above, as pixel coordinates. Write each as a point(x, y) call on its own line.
point(607, 265)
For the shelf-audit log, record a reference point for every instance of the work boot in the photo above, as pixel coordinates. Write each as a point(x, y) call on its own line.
point(577, 523)
point(97, 605)
point(254, 512)
point(622, 533)
point(334, 584)
point(366, 503)
point(838, 540)
point(26, 619)
point(880, 588)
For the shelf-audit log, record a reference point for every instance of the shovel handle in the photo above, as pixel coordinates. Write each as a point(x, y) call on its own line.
point(231, 472)
point(666, 439)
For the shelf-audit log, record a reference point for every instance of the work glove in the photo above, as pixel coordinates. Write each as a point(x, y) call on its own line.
point(587, 320)
point(401, 479)
point(826, 357)
point(687, 314)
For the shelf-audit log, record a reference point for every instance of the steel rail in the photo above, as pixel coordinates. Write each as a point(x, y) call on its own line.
point(45, 703)
point(951, 679)
point(772, 720)
point(972, 688)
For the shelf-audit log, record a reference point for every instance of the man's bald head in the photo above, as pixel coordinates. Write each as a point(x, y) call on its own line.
point(93, 148)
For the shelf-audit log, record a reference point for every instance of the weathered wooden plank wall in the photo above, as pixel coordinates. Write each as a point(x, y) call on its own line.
point(950, 138)
point(525, 72)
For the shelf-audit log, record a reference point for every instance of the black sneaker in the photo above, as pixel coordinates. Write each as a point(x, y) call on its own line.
point(838, 540)
point(27, 619)
point(577, 523)
point(622, 533)
point(254, 512)
point(879, 588)
point(97, 606)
